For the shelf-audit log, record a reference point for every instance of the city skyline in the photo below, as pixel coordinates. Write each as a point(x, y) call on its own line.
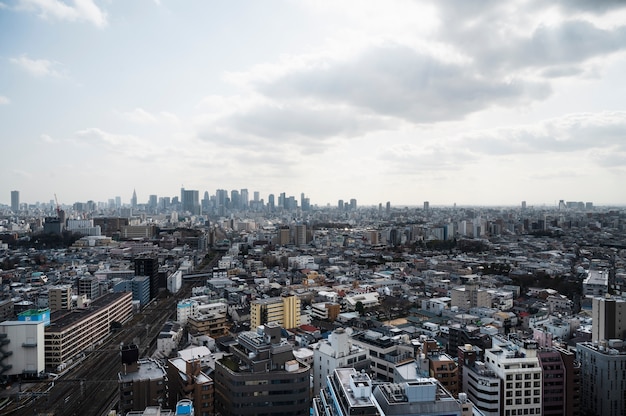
point(480, 103)
point(272, 198)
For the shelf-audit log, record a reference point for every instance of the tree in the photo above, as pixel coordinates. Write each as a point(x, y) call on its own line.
point(359, 307)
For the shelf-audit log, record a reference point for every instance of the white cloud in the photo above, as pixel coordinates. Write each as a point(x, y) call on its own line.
point(4, 100)
point(139, 115)
point(47, 139)
point(81, 10)
point(36, 67)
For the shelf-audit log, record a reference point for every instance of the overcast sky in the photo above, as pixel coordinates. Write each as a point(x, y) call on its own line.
point(469, 102)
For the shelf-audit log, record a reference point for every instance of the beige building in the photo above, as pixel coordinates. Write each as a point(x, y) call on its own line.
point(609, 318)
point(470, 296)
point(60, 298)
point(70, 333)
point(284, 310)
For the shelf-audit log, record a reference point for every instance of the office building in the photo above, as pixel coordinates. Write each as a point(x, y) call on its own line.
point(190, 200)
point(15, 201)
point(482, 386)
point(261, 376)
point(148, 265)
point(133, 200)
point(603, 375)
point(335, 352)
point(283, 310)
point(110, 225)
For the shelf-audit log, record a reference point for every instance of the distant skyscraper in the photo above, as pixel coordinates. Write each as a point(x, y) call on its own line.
point(388, 207)
point(340, 205)
point(256, 196)
point(523, 204)
point(353, 204)
point(133, 200)
point(118, 202)
point(190, 200)
point(235, 199)
point(245, 199)
point(152, 202)
point(271, 204)
point(15, 201)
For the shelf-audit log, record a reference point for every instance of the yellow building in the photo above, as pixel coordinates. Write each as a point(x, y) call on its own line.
point(284, 310)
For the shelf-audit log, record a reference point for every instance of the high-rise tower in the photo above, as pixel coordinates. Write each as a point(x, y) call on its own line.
point(15, 201)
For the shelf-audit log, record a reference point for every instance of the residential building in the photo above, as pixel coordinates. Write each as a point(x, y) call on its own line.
point(443, 368)
point(283, 310)
point(596, 284)
point(262, 376)
point(423, 396)
point(142, 382)
point(515, 362)
point(89, 285)
point(469, 296)
point(609, 318)
point(384, 353)
point(60, 298)
point(335, 352)
point(70, 333)
point(561, 382)
point(186, 380)
point(347, 392)
point(22, 348)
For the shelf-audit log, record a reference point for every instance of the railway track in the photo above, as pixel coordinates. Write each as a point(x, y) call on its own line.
point(91, 387)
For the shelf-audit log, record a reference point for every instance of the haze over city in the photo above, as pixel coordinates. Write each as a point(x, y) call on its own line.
point(473, 102)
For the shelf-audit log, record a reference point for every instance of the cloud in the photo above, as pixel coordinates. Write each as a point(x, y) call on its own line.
point(81, 10)
point(36, 67)
point(566, 134)
point(117, 142)
point(4, 100)
point(47, 139)
point(395, 80)
point(139, 115)
point(570, 42)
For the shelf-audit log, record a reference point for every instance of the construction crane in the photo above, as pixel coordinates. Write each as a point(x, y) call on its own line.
point(58, 206)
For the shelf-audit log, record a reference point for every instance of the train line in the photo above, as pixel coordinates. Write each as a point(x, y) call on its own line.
point(90, 387)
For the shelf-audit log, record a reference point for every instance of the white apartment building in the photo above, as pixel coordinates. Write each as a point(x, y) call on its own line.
point(336, 352)
point(22, 350)
point(515, 362)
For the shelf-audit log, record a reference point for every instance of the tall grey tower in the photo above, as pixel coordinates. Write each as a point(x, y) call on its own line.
point(15, 201)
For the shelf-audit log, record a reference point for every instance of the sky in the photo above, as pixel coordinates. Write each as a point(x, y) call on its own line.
point(473, 102)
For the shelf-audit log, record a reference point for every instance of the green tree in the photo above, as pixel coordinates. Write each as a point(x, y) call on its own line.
point(359, 307)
